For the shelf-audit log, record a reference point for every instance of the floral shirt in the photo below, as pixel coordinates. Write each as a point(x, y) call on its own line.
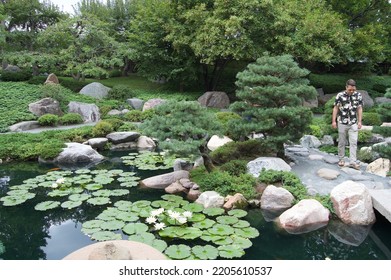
point(348, 105)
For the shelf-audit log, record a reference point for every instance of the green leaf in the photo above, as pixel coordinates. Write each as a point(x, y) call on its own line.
point(219, 229)
point(241, 242)
point(124, 204)
point(145, 237)
point(119, 192)
point(239, 213)
point(160, 245)
point(17, 192)
point(223, 241)
point(141, 203)
point(241, 224)
point(83, 171)
point(178, 252)
point(197, 217)
point(69, 204)
point(213, 211)
point(105, 236)
point(193, 207)
point(172, 197)
point(191, 233)
point(98, 200)
point(227, 220)
point(46, 205)
point(135, 228)
point(206, 252)
point(102, 193)
point(230, 251)
point(79, 197)
point(93, 187)
point(112, 225)
point(127, 216)
point(92, 224)
point(247, 232)
point(207, 223)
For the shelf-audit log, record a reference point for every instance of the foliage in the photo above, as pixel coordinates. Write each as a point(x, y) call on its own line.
point(115, 122)
point(270, 93)
point(102, 128)
point(316, 131)
point(71, 118)
point(120, 92)
point(227, 184)
point(371, 119)
point(224, 118)
point(246, 150)
point(48, 120)
point(382, 130)
point(127, 126)
point(364, 136)
point(384, 109)
point(8, 76)
point(235, 167)
point(147, 160)
point(384, 151)
point(139, 116)
point(366, 155)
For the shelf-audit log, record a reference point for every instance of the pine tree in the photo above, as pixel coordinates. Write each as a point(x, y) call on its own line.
point(183, 128)
point(270, 93)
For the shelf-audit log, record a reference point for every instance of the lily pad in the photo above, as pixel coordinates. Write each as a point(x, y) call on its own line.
point(99, 200)
point(206, 252)
point(219, 229)
point(172, 232)
point(129, 184)
point(18, 192)
point(247, 232)
point(89, 231)
point(213, 211)
point(227, 220)
point(160, 245)
point(102, 193)
point(197, 217)
point(206, 223)
point(93, 187)
point(160, 203)
point(119, 192)
point(128, 174)
point(193, 207)
point(239, 213)
point(223, 241)
point(105, 236)
point(103, 180)
point(191, 233)
point(79, 197)
point(127, 216)
point(12, 200)
point(241, 224)
point(135, 228)
point(115, 172)
point(241, 242)
point(92, 224)
point(230, 251)
point(69, 204)
point(145, 237)
point(112, 225)
point(178, 252)
point(83, 171)
point(141, 203)
point(46, 205)
point(172, 197)
point(123, 204)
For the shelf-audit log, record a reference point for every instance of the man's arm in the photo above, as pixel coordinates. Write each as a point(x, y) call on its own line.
point(359, 117)
point(334, 118)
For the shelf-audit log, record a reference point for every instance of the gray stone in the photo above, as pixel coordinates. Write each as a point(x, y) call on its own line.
point(315, 157)
point(78, 153)
point(327, 140)
point(52, 79)
point(210, 199)
point(381, 200)
point(89, 112)
point(366, 99)
point(123, 137)
point(152, 103)
point(310, 141)
point(144, 142)
point(254, 167)
point(331, 159)
point(135, 103)
point(214, 99)
point(236, 201)
point(23, 126)
point(175, 188)
point(97, 143)
point(216, 142)
point(12, 68)
point(123, 146)
point(163, 181)
point(114, 112)
point(45, 106)
point(95, 90)
point(351, 171)
point(181, 164)
point(274, 198)
point(329, 174)
point(361, 177)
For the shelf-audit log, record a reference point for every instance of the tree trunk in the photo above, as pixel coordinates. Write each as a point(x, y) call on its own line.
point(206, 157)
point(35, 69)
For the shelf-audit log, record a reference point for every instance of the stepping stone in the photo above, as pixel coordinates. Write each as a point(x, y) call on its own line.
point(329, 174)
point(351, 171)
point(361, 178)
point(331, 159)
point(315, 157)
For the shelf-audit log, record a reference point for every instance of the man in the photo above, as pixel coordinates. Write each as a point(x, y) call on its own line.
point(348, 107)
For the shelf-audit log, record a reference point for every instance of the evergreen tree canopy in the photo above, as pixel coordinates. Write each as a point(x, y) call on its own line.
point(270, 93)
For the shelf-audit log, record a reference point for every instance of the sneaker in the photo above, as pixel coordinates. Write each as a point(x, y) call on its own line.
point(355, 166)
point(341, 163)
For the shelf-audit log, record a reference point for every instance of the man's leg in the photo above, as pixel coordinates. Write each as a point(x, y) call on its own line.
point(353, 138)
point(341, 140)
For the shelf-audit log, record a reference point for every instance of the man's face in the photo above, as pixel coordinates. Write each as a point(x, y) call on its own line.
point(350, 89)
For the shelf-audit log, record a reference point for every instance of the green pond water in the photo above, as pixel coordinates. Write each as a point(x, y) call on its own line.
point(28, 234)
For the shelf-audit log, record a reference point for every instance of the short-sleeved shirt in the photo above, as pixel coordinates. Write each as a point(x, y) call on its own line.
point(348, 105)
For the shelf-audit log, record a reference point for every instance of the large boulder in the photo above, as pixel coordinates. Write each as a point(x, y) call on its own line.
point(78, 153)
point(89, 112)
point(216, 142)
point(95, 90)
point(163, 181)
point(12, 68)
point(122, 137)
point(136, 103)
point(23, 126)
point(45, 106)
point(52, 79)
point(310, 141)
point(380, 167)
point(214, 99)
point(210, 199)
point(255, 166)
point(144, 142)
point(274, 198)
point(353, 203)
point(152, 103)
point(366, 99)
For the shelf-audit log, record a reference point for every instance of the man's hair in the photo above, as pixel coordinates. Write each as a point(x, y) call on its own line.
point(351, 82)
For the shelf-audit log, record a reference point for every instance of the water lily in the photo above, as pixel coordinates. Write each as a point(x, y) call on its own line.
point(187, 214)
point(160, 226)
point(151, 220)
point(157, 212)
point(60, 181)
point(54, 185)
point(174, 215)
point(181, 220)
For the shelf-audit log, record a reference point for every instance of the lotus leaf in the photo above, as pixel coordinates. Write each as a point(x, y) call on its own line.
point(46, 205)
point(12, 200)
point(239, 213)
point(105, 236)
point(99, 200)
point(191, 233)
point(142, 203)
point(197, 217)
point(79, 197)
point(219, 229)
point(160, 203)
point(119, 192)
point(123, 203)
point(115, 172)
point(135, 228)
point(111, 212)
point(129, 184)
point(227, 220)
point(82, 182)
point(172, 232)
point(213, 211)
point(32, 181)
point(145, 212)
point(230, 251)
point(241, 224)
point(112, 225)
point(75, 190)
point(206, 236)
point(103, 180)
point(247, 232)
point(193, 207)
point(145, 237)
point(83, 171)
point(172, 197)
point(128, 174)
point(178, 252)
point(55, 193)
point(105, 217)
point(126, 179)
point(92, 224)
point(206, 223)
point(99, 171)
point(93, 187)
point(206, 252)
point(69, 204)
point(127, 217)
point(24, 187)
point(160, 245)
point(223, 241)
point(241, 242)
point(102, 193)
point(17, 192)
point(47, 184)
point(90, 231)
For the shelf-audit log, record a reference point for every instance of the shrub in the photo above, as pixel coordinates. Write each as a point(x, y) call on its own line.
point(7, 76)
point(115, 123)
point(316, 130)
point(383, 150)
point(37, 80)
point(102, 128)
point(366, 155)
point(364, 136)
point(128, 127)
point(139, 116)
point(382, 130)
point(120, 92)
point(224, 118)
point(235, 167)
point(371, 119)
point(384, 110)
point(72, 84)
point(71, 118)
point(48, 120)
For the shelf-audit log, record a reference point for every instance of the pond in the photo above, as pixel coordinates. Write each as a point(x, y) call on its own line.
point(27, 234)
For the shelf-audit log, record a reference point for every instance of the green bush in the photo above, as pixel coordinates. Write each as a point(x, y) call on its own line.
point(371, 119)
point(102, 128)
point(115, 123)
point(382, 130)
point(224, 118)
point(7, 76)
point(316, 130)
point(37, 80)
point(235, 167)
point(384, 151)
point(246, 150)
point(71, 118)
point(120, 92)
point(365, 156)
point(72, 84)
point(127, 126)
point(139, 116)
point(364, 136)
point(48, 120)
point(384, 110)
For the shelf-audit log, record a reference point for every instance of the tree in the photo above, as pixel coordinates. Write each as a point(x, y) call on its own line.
point(270, 93)
point(183, 128)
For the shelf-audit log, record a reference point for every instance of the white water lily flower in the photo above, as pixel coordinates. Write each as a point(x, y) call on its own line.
point(174, 215)
point(54, 185)
point(151, 220)
point(181, 220)
point(60, 181)
point(187, 214)
point(157, 212)
point(160, 226)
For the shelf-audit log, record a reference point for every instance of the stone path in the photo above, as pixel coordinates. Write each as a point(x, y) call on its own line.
point(308, 162)
point(60, 127)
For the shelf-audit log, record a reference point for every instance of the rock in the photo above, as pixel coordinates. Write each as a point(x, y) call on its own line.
point(89, 112)
point(210, 199)
point(328, 174)
point(214, 99)
point(216, 142)
point(122, 137)
point(351, 171)
point(181, 164)
point(114, 112)
point(310, 141)
point(348, 234)
point(327, 140)
point(237, 201)
point(123, 146)
point(186, 183)
point(331, 159)
point(152, 103)
point(274, 198)
point(12, 68)
point(193, 195)
point(305, 216)
point(135, 103)
point(298, 150)
point(78, 153)
point(163, 181)
point(97, 143)
point(144, 142)
point(45, 106)
point(175, 188)
point(353, 203)
point(366, 99)
point(381, 100)
point(315, 157)
point(380, 167)
point(23, 126)
point(254, 167)
point(52, 79)
point(95, 90)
